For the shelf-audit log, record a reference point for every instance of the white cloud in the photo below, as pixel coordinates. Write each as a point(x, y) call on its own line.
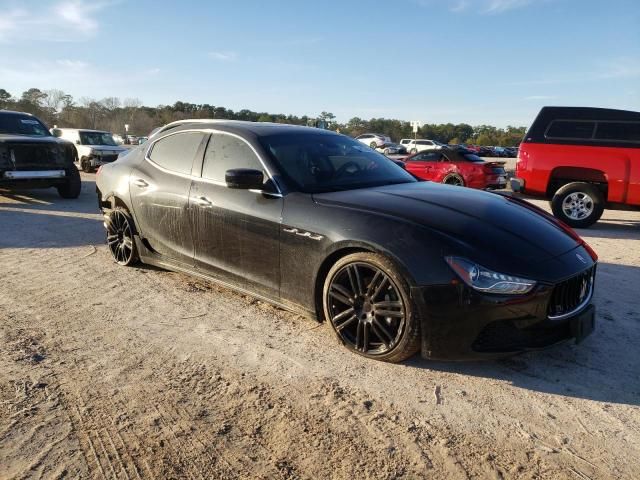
point(223, 56)
point(63, 20)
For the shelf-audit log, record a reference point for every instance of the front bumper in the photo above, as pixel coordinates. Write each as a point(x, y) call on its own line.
point(459, 323)
point(32, 178)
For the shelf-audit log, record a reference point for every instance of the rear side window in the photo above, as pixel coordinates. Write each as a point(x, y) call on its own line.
point(226, 152)
point(619, 131)
point(177, 152)
point(571, 129)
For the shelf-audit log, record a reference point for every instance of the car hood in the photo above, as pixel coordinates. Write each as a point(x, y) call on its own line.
point(11, 138)
point(485, 223)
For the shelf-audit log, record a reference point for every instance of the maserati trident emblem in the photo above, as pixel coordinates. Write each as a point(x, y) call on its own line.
point(581, 258)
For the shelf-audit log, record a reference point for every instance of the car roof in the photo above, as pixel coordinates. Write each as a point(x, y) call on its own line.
point(81, 130)
point(258, 129)
point(13, 112)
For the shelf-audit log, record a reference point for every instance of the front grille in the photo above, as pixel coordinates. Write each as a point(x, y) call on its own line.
point(503, 336)
point(571, 295)
point(34, 157)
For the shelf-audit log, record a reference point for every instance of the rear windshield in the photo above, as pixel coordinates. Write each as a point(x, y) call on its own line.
point(571, 129)
point(16, 124)
point(472, 157)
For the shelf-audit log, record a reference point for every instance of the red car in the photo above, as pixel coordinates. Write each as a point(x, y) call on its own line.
point(582, 159)
point(457, 167)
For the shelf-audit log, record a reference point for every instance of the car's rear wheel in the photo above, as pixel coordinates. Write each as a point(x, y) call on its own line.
point(366, 300)
point(120, 239)
point(578, 204)
point(373, 145)
point(386, 151)
point(454, 179)
point(73, 184)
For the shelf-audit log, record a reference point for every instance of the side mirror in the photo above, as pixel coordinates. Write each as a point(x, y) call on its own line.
point(244, 178)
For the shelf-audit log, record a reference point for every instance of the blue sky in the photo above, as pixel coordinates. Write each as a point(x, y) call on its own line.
point(474, 61)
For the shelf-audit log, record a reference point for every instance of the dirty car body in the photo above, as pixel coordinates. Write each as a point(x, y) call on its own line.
point(478, 274)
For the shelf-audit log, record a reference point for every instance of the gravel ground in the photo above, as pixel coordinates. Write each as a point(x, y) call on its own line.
point(112, 372)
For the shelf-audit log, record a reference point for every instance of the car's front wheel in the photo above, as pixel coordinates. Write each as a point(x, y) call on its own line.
point(578, 204)
point(366, 300)
point(73, 184)
point(413, 151)
point(85, 164)
point(120, 239)
point(373, 145)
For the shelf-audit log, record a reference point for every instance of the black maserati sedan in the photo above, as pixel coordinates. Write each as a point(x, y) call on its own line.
point(318, 223)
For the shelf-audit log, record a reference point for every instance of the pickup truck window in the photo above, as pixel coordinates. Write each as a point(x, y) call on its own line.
point(575, 129)
point(619, 131)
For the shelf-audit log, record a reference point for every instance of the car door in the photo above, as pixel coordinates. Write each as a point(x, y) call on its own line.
point(235, 231)
point(423, 165)
point(159, 187)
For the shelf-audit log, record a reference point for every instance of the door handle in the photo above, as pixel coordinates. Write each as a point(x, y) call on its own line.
point(203, 202)
point(140, 183)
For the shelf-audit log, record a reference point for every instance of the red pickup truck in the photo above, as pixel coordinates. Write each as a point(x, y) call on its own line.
point(584, 160)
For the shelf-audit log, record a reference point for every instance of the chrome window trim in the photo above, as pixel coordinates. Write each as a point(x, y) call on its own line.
point(148, 150)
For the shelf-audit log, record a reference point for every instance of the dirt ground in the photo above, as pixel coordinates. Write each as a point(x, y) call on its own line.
point(113, 372)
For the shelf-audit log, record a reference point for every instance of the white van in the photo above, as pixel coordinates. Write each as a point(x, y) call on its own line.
point(94, 147)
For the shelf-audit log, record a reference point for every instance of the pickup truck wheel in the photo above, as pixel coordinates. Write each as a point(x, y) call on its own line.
point(578, 204)
point(71, 188)
point(86, 165)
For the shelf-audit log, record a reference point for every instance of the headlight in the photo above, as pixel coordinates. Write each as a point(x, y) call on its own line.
point(485, 280)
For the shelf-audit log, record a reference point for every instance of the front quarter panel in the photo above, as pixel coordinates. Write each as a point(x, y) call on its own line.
point(312, 233)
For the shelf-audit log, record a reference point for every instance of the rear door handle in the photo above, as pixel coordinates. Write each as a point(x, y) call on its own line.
point(203, 202)
point(140, 183)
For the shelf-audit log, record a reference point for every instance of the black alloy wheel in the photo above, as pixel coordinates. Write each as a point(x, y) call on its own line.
point(120, 237)
point(367, 303)
point(454, 180)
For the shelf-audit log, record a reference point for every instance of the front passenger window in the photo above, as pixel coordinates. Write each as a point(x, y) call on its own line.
point(226, 152)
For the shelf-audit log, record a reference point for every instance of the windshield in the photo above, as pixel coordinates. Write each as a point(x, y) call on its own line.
point(97, 138)
point(22, 125)
point(324, 163)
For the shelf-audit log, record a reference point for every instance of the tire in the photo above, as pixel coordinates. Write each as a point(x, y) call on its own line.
point(386, 151)
point(120, 237)
point(357, 319)
point(413, 151)
point(73, 185)
point(454, 179)
point(373, 145)
point(578, 204)
point(85, 165)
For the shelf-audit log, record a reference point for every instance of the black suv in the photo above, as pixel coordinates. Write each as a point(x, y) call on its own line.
point(30, 157)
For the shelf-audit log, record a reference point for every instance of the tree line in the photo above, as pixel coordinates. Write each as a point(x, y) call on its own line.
point(56, 107)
